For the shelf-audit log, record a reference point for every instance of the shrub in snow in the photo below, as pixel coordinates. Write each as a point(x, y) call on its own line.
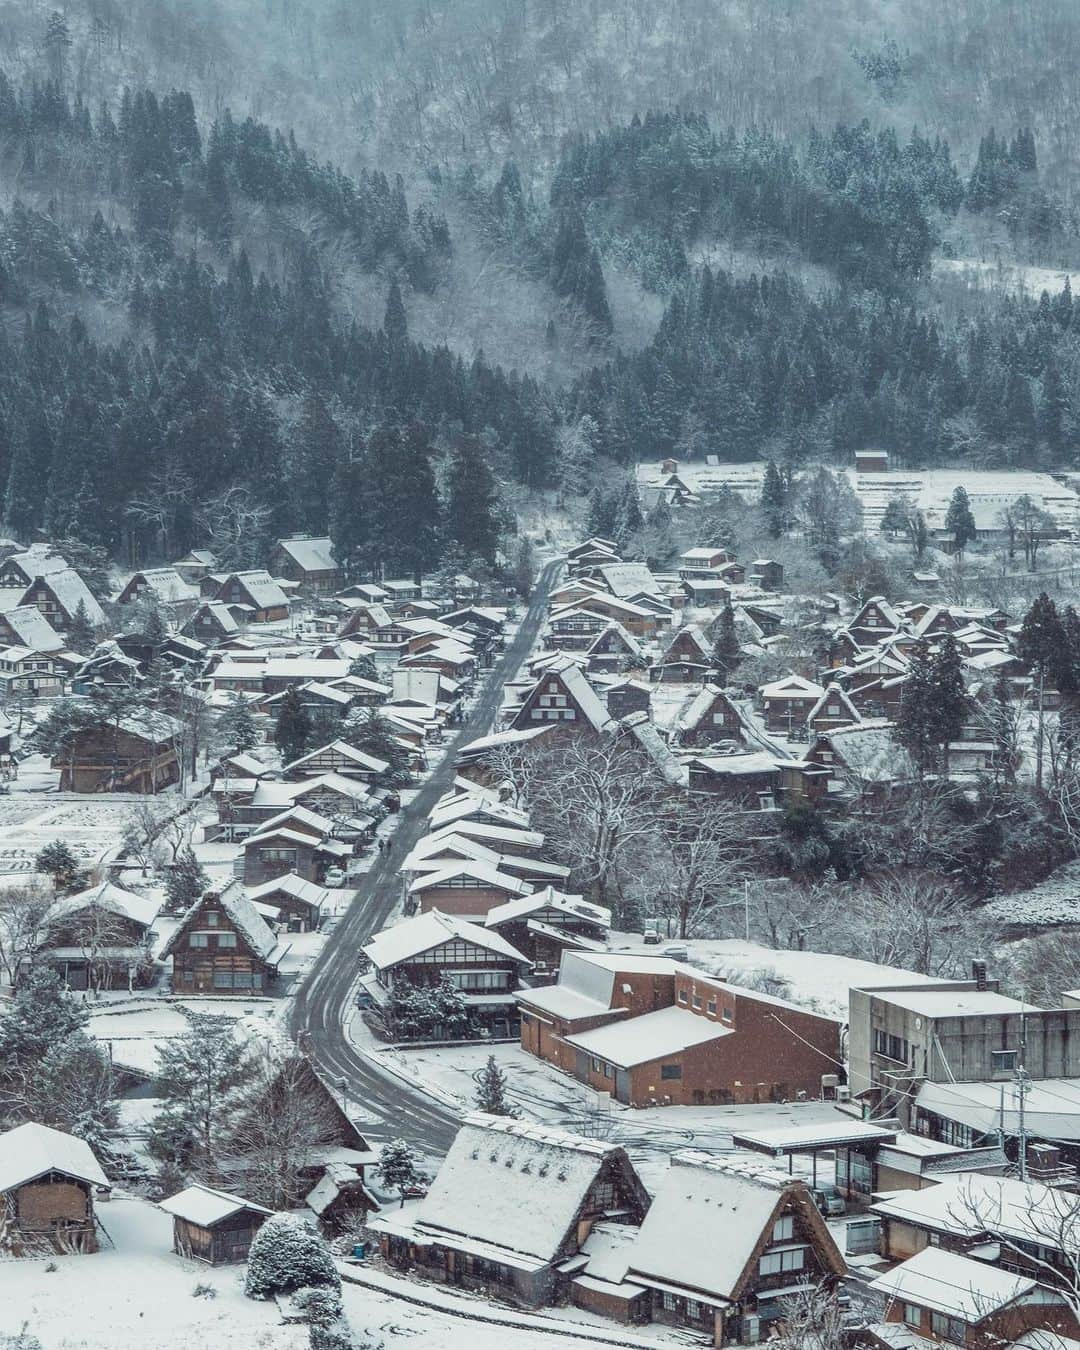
point(321, 1306)
point(288, 1254)
point(204, 1290)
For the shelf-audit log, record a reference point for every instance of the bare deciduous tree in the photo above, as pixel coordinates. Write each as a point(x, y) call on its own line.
point(276, 1126)
point(24, 916)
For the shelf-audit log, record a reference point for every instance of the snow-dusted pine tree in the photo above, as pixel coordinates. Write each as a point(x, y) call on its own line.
point(396, 1167)
point(491, 1090)
point(288, 1254)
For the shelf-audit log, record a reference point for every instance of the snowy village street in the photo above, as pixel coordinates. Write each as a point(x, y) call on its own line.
point(388, 1106)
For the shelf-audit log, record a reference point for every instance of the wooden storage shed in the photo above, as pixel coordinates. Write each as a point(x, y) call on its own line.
point(213, 1226)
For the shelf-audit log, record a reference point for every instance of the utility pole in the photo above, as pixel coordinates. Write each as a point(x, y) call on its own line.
point(1021, 1092)
point(1039, 741)
point(746, 905)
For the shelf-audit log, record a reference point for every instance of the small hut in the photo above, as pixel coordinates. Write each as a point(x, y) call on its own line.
point(213, 1226)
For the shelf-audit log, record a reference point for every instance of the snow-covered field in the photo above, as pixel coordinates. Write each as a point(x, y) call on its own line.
point(1053, 903)
point(1013, 278)
point(90, 826)
point(136, 1293)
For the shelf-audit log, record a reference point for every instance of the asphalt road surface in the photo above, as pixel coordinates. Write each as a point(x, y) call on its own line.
point(387, 1107)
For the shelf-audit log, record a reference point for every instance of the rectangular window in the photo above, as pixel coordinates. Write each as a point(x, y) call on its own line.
point(784, 1229)
point(1003, 1061)
point(728, 1014)
point(223, 979)
point(198, 939)
point(776, 1263)
point(226, 941)
point(241, 979)
point(670, 1071)
point(912, 1315)
point(211, 920)
point(697, 1001)
point(710, 1007)
point(682, 995)
point(951, 1328)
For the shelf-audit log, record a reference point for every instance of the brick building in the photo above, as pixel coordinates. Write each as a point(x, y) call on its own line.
point(650, 1030)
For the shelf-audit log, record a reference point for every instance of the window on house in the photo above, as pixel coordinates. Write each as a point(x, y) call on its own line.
point(669, 1301)
point(682, 995)
point(198, 939)
point(226, 941)
point(776, 1263)
point(710, 1007)
point(697, 1001)
point(211, 920)
point(1003, 1061)
point(951, 1328)
point(670, 1071)
point(912, 1315)
point(784, 1229)
point(728, 1014)
point(223, 979)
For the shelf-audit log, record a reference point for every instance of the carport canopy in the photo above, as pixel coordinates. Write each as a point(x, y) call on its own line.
point(787, 1140)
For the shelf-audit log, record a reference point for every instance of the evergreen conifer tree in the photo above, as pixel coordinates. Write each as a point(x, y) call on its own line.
point(472, 505)
point(725, 648)
point(395, 323)
point(293, 730)
point(80, 634)
point(40, 1016)
point(236, 725)
point(491, 1090)
point(773, 499)
point(396, 1168)
point(195, 1074)
point(185, 882)
point(959, 520)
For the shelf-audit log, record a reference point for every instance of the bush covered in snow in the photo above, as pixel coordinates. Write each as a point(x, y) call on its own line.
point(288, 1254)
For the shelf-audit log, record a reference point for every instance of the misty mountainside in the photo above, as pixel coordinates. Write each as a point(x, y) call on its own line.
point(267, 267)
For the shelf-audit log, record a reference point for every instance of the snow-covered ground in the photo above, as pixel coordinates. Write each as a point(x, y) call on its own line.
point(1054, 903)
point(1013, 278)
point(90, 826)
point(543, 1093)
point(136, 1293)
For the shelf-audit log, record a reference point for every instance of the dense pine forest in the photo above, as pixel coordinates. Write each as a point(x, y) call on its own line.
point(210, 329)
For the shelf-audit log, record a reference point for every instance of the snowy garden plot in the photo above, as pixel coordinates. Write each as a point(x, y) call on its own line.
point(91, 829)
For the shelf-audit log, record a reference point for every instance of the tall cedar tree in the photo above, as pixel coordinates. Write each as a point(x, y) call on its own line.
point(293, 730)
point(472, 506)
point(725, 648)
point(959, 521)
point(933, 705)
point(773, 499)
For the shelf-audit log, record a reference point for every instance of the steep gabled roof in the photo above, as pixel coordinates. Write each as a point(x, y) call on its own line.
point(262, 590)
point(626, 640)
point(167, 585)
point(425, 932)
point(32, 629)
point(70, 591)
point(833, 693)
point(290, 884)
point(792, 686)
point(30, 1151)
point(112, 900)
point(699, 705)
point(514, 1186)
point(345, 751)
point(311, 555)
point(693, 635)
point(709, 1218)
point(241, 912)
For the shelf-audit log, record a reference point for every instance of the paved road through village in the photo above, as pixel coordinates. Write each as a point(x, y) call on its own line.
point(387, 1106)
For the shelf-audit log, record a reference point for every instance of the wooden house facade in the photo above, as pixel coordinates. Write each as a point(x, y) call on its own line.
point(222, 946)
point(139, 754)
point(48, 1181)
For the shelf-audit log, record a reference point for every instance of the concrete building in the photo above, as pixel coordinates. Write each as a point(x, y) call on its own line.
point(939, 1031)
